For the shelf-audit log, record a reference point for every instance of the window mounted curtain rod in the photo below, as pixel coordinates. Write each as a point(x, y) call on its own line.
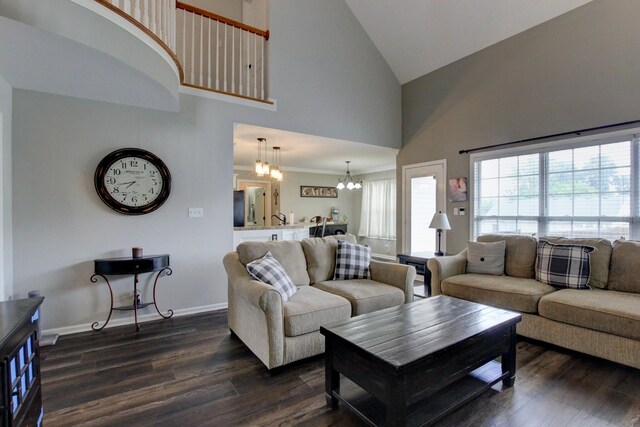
point(579, 132)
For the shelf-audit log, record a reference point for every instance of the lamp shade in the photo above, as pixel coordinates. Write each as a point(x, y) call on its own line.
point(440, 221)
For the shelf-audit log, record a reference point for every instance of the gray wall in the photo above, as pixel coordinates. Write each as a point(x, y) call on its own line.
point(329, 81)
point(577, 71)
point(6, 238)
point(227, 8)
point(311, 206)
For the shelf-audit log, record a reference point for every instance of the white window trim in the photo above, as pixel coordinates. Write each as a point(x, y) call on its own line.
point(556, 145)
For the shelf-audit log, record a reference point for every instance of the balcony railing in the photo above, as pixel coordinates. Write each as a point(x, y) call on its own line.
point(158, 16)
point(212, 52)
point(221, 54)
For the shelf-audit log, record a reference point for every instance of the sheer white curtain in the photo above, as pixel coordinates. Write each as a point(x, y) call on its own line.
point(378, 216)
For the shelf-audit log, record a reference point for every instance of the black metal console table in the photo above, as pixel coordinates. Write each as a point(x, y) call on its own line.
point(127, 265)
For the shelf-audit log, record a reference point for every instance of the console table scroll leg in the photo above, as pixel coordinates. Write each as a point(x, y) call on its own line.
point(155, 283)
point(94, 279)
point(135, 301)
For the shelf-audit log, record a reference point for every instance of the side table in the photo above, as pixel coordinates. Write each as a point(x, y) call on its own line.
point(134, 266)
point(419, 261)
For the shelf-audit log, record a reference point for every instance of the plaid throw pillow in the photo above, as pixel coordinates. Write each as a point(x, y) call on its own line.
point(268, 270)
point(352, 261)
point(564, 266)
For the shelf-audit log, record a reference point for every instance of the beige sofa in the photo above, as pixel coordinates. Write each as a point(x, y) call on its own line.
point(281, 332)
point(603, 321)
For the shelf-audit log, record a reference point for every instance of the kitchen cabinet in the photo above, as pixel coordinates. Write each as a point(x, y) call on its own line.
point(267, 234)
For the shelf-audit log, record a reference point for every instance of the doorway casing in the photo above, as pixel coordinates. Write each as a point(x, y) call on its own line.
point(436, 168)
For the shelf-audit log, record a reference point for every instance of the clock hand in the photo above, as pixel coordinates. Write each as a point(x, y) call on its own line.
point(131, 183)
point(125, 183)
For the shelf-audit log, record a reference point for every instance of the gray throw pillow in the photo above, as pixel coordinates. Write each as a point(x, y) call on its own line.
point(486, 258)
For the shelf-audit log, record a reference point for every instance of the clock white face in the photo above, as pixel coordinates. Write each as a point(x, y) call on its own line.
point(133, 181)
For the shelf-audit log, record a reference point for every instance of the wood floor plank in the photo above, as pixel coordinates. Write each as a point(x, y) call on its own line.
point(191, 371)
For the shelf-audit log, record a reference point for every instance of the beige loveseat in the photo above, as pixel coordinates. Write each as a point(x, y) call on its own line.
point(281, 332)
point(603, 321)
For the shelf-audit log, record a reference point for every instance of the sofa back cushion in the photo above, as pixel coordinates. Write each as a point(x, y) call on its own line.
point(625, 267)
point(486, 257)
point(600, 258)
point(321, 256)
point(287, 252)
point(519, 256)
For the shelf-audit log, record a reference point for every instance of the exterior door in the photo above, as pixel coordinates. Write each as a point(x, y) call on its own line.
point(423, 194)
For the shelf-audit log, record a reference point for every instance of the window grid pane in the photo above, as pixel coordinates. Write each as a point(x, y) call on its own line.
point(587, 192)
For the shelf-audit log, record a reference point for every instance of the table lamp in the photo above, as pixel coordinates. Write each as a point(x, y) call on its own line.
point(439, 222)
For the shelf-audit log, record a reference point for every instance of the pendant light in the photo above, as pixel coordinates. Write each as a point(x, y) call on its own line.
point(348, 181)
point(262, 166)
point(276, 172)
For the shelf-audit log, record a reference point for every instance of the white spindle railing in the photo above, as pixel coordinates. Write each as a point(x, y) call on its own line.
point(220, 54)
point(158, 16)
point(215, 53)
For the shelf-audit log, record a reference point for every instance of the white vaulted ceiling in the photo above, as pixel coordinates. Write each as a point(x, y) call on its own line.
point(417, 37)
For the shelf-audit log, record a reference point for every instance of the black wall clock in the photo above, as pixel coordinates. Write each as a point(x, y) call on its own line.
point(132, 181)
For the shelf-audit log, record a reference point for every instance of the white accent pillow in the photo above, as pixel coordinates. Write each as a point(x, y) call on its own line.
point(486, 258)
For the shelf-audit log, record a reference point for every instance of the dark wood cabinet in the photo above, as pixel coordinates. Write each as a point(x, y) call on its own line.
point(330, 229)
point(419, 261)
point(20, 391)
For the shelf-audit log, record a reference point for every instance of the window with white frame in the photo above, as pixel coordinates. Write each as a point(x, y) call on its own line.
point(378, 213)
point(585, 189)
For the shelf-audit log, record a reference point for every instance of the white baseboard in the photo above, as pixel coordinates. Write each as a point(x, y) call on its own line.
point(74, 329)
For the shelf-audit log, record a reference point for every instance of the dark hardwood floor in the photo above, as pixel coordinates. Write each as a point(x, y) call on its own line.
point(190, 371)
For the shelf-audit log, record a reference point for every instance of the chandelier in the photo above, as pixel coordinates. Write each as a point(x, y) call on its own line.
point(262, 166)
point(348, 181)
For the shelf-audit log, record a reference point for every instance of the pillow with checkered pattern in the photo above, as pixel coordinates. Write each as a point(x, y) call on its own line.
point(564, 266)
point(352, 261)
point(268, 270)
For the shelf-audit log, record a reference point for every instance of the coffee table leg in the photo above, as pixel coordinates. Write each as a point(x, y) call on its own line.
point(331, 376)
point(509, 359)
point(397, 411)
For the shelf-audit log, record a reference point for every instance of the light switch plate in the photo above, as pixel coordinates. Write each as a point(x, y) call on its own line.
point(196, 212)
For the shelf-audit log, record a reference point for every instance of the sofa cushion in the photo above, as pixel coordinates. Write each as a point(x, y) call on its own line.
point(625, 268)
point(564, 266)
point(321, 255)
point(519, 256)
point(311, 308)
point(600, 258)
point(498, 291)
point(352, 261)
point(486, 258)
point(609, 311)
point(365, 295)
point(268, 270)
point(288, 253)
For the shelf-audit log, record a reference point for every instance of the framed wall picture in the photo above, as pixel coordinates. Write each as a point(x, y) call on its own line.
point(458, 190)
point(315, 191)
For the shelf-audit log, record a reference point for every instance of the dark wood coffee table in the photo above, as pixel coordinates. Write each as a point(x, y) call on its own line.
point(419, 361)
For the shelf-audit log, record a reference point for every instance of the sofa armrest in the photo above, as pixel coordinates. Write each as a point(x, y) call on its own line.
point(446, 266)
point(253, 291)
point(398, 275)
point(255, 313)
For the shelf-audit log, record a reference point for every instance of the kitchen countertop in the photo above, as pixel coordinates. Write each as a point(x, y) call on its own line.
point(274, 227)
point(298, 225)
